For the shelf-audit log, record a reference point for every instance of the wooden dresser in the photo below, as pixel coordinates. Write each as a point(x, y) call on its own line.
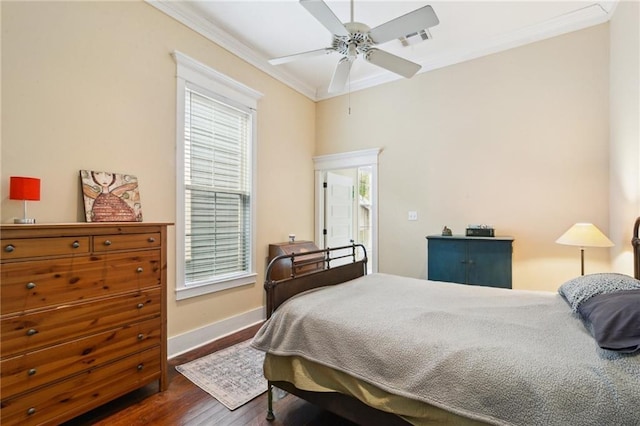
point(302, 265)
point(83, 316)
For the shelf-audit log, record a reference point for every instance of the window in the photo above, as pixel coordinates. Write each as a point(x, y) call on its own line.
point(215, 207)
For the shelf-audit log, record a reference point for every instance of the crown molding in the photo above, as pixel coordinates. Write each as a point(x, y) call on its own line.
point(582, 18)
point(181, 12)
point(591, 15)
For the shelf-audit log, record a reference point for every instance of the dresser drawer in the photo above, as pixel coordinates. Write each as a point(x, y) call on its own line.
point(42, 283)
point(20, 248)
point(37, 368)
point(105, 243)
point(63, 400)
point(24, 333)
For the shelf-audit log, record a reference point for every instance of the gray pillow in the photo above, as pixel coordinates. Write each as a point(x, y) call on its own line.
point(614, 320)
point(578, 290)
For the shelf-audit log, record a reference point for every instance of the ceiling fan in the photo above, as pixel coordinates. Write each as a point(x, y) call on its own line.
point(355, 39)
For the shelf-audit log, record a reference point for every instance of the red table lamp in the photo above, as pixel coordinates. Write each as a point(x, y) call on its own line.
point(25, 189)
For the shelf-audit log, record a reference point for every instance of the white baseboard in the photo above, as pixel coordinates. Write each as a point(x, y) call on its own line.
point(182, 343)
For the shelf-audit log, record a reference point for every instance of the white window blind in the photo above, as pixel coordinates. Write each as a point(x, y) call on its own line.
point(217, 189)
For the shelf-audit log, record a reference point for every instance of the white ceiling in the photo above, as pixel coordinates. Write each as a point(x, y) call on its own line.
point(258, 30)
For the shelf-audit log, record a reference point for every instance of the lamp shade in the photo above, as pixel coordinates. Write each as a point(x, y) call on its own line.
point(24, 188)
point(584, 235)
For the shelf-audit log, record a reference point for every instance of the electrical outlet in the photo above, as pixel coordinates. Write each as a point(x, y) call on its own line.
point(413, 215)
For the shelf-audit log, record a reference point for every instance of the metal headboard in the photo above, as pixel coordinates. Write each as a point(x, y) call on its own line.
point(329, 255)
point(281, 290)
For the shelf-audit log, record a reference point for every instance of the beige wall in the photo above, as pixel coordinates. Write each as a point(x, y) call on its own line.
point(518, 140)
point(624, 131)
point(91, 85)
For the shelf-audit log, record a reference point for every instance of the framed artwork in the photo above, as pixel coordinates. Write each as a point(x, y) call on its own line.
point(110, 197)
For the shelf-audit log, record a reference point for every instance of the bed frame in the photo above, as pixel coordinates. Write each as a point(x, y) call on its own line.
point(279, 291)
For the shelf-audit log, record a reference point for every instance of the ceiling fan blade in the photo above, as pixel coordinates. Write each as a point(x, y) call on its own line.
point(392, 63)
point(410, 23)
point(340, 75)
point(294, 57)
point(325, 16)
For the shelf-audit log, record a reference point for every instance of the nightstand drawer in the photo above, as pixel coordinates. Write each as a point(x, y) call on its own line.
point(19, 248)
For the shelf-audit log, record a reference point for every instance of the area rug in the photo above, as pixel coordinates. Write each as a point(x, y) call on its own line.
point(233, 375)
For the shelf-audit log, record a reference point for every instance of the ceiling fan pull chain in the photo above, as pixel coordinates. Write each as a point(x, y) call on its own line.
point(349, 94)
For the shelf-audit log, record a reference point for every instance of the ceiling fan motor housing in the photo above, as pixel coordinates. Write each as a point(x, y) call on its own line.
point(357, 42)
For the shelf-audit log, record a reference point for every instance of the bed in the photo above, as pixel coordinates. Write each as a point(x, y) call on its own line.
point(381, 349)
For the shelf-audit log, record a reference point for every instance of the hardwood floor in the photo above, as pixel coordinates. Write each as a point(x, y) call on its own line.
point(186, 404)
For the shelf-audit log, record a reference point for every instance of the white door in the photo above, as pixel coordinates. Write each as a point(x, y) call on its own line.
point(343, 161)
point(339, 200)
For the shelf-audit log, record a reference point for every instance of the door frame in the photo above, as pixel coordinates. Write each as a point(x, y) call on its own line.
point(348, 160)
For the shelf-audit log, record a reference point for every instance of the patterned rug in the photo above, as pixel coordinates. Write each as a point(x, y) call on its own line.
point(233, 375)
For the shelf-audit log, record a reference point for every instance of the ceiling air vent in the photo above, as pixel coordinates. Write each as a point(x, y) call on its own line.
point(415, 38)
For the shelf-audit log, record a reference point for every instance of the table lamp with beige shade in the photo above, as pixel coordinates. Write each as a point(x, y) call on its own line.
point(584, 235)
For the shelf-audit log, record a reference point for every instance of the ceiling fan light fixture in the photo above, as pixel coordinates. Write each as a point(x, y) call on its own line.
point(353, 51)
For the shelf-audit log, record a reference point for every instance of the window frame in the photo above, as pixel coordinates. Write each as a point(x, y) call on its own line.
point(194, 74)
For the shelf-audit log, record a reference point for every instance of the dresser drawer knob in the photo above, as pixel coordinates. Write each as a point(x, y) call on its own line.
point(140, 305)
point(9, 248)
point(140, 336)
point(31, 286)
point(31, 411)
point(32, 372)
point(151, 240)
point(140, 367)
point(139, 270)
point(107, 242)
point(32, 331)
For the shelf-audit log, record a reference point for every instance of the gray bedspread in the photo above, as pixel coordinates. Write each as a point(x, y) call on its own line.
point(505, 357)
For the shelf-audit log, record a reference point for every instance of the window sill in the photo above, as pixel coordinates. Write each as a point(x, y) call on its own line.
point(214, 286)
